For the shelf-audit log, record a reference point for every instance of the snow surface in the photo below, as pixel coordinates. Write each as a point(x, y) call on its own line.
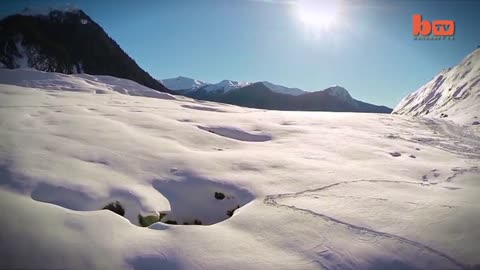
point(454, 92)
point(98, 84)
point(317, 190)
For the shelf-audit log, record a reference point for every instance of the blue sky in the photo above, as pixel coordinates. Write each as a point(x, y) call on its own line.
point(369, 49)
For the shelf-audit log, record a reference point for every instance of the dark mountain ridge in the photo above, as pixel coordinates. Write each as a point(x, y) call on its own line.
point(68, 42)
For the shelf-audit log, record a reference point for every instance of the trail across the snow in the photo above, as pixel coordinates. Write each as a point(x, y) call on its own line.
point(450, 137)
point(273, 200)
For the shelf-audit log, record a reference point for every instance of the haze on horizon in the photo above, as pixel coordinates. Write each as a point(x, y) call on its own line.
point(366, 47)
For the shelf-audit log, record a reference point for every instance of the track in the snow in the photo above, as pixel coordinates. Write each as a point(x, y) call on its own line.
point(272, 200)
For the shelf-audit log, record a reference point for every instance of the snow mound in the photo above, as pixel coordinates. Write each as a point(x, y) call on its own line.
point(95, 84)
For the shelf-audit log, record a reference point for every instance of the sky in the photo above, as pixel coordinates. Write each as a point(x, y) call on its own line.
point(366, 46)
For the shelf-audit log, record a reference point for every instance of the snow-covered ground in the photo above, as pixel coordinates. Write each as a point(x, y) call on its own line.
point(316, 190)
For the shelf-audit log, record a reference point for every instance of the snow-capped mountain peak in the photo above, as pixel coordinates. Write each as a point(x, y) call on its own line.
point(226, 85)
point(182, 83)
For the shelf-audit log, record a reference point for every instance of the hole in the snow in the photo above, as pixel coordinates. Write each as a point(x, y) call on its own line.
point(237, 134)
point(219, 195)
point(395, 154)
point(115, 207)
point(193, 201)
point(199, 201)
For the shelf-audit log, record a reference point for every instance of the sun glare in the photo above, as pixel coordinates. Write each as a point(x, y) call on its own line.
point(318, 15)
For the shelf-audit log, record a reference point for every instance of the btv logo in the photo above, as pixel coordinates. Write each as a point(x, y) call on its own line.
point(441, 29)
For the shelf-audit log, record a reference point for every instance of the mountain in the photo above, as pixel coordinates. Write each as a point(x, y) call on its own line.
point(258, 95)
point(182, 83)
point(225, 86)
point(66, 41)
point(185, 84)
point(453, 93)
point(266, 95)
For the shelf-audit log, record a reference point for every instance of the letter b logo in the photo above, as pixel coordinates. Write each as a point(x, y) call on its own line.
point(421, 27)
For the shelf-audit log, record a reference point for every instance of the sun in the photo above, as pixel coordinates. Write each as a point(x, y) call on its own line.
point(317, 15)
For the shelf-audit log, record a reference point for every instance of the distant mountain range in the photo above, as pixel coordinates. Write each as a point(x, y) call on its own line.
point(68, 41)
point(188, 84)
point(454, 94)
point(266, 95)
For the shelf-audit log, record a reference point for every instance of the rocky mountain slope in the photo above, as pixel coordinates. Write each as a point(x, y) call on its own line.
point(454, 94)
